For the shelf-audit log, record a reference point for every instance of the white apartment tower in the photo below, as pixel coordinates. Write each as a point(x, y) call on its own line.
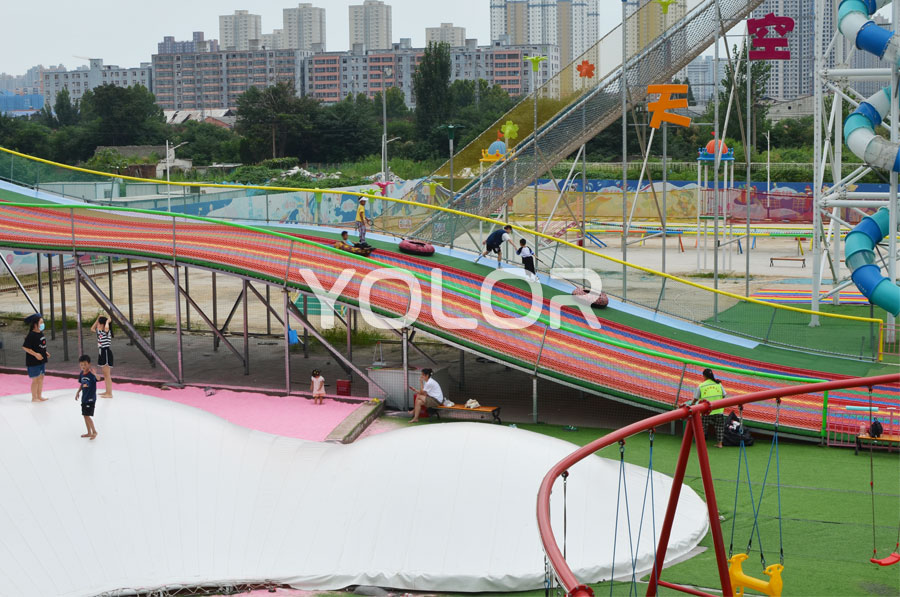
point(236, 31)
point(446, 33)
point(370, 24)
point(573, 25)
point(304, 26)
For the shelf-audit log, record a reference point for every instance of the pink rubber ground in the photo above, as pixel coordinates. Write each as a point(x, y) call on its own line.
point(290, 417)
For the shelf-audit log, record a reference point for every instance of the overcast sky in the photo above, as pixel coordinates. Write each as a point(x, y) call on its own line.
point(126, 32)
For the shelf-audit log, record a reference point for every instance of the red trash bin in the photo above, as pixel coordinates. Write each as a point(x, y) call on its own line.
point(343, 387)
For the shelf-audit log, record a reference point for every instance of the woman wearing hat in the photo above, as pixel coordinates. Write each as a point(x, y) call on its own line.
point(361, 221)
point(36, 355)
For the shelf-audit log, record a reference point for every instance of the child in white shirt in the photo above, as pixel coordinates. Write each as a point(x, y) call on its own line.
point(527, 255)
point(317, 387)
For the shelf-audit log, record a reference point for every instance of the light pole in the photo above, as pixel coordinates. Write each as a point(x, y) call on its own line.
point(385, 72)
point(535, 65)
point(170, 154)
point(451, 128)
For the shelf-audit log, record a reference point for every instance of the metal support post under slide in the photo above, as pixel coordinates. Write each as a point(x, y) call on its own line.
point(122, 321)
point(404, 335)
point(40, 286)
point(246, 330)
point(413, 344)
point(295, 313)
point(62, 306)
point(265, 301)
point(179, 348)
point(150, 306)
point(50, 287)
point(203, 316)
point(231, 313)
point(78, 308)
point(286, 300)
point(34, 308)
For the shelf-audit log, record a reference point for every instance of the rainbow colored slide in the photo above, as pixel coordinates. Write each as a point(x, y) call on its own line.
point(616, 361)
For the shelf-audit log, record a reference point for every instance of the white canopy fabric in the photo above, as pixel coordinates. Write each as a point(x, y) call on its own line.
point(170, 495)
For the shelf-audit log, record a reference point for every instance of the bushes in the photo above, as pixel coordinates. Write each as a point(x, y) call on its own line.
point(285, 163)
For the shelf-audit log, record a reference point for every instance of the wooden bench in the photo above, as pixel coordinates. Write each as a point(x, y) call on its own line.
point(459, 410)
point(886, 441)
point(772, 260)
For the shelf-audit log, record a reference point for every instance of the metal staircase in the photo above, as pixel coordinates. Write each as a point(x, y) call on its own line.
point(576, 109)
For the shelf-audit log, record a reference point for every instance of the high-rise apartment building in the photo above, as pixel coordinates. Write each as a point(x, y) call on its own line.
point(269, 41)
point(446, 34)
point(96, 74)
point(214, 80)
point(573, 25)
point(701, 72)
point(303, 26)
point(370, 25)
point(790, 79)
point(198, 43)
point(651, 20)
point(236, 31)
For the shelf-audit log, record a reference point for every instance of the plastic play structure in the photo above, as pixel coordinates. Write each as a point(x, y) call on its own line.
point(860, 256)
point(740, 581)
point(860, 135)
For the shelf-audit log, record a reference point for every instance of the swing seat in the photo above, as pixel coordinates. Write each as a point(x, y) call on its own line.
point(888, 561)
point(740, 581)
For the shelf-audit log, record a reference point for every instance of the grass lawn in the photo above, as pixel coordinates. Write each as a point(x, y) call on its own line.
point(826, 513)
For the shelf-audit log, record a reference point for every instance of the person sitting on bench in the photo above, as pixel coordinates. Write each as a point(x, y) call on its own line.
point(430, 396)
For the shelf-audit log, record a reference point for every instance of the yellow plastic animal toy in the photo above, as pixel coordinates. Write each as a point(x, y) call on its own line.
point(740, 581)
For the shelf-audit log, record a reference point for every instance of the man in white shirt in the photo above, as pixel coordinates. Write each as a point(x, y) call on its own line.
point(430, 396)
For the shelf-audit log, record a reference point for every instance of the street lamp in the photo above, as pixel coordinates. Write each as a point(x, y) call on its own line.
point(170, 155)
point(535, 65)
point(385, 72)
point(451, 128)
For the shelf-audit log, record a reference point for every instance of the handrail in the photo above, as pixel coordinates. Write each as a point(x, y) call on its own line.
point(589, 335)
point(548, 539)
point(458, 213)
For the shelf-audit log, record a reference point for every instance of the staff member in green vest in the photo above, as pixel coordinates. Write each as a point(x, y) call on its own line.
point(711, 389)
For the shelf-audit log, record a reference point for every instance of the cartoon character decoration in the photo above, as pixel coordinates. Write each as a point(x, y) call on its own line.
point(496, 151)
point(383, 186)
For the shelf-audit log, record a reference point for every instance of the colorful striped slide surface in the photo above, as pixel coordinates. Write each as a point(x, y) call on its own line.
point(573, 354)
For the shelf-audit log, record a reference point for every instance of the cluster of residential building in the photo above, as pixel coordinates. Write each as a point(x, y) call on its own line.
point(210, 74)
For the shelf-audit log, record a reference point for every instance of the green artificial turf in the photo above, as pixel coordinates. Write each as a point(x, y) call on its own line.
point(826, 513)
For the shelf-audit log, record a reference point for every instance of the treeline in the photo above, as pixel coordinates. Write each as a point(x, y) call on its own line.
point(272, 123)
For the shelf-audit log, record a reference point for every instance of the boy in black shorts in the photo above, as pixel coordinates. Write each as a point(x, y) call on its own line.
point(87, 388)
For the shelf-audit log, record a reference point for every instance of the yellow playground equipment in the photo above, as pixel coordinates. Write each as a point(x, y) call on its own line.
point(740, 581)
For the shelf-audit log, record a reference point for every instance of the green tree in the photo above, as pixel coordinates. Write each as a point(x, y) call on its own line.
point(66, 112)
point(347, 130)
point(431, 88)
point(692, 101)
point(207, 143)
point(396, 103)
point(760, 73)
point(123, 116)
point(274, 122)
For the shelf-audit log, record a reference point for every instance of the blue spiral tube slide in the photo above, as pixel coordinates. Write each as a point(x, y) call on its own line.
point(859, 252)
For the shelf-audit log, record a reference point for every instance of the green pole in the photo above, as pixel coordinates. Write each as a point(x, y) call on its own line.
point(825, 417)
